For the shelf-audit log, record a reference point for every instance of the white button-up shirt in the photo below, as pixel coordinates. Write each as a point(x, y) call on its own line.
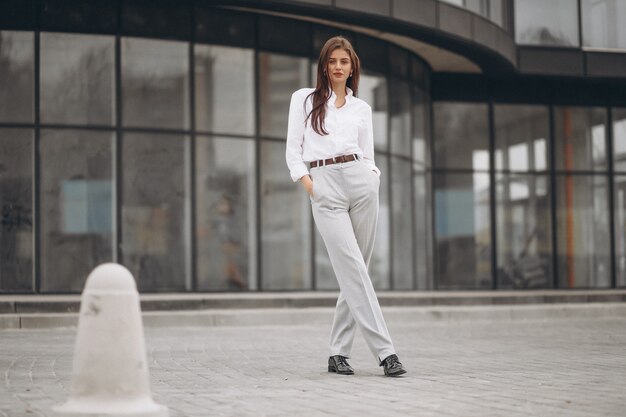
point(349, 132)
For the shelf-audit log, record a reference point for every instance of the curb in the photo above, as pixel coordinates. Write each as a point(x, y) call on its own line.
point(324, 315)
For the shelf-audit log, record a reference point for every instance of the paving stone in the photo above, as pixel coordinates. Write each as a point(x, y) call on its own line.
point(549, 367)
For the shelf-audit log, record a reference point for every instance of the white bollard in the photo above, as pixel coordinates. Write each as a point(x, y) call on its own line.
point(111, 376)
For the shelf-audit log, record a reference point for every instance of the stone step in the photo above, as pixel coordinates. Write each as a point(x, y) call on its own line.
point(12, 304)
point(323, 315)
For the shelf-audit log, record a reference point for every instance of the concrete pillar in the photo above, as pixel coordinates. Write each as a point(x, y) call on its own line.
point(110, 376)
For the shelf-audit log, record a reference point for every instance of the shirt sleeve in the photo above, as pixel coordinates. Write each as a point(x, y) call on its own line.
point(366, 141)
point(295, 137)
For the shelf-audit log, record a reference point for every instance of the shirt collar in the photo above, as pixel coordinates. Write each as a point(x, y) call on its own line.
point(333, 96)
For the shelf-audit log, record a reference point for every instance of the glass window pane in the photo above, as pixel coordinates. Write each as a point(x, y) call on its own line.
point(224, 80)
point(421, 130)
point(461, 136)
point(521, 137)
point(583, 231)
point(17, 83)
point(580, 138)
point(76, 206)
point(603, 23)
point(77, 79)
point(373, 89)
point(279, 77)
point(540, 22)
point(225, 214)
point(16, 224)
point(422, 213)
point(285, 224)
point(619, 139)
point(620, 229)
point(524, 231)
point(155, 83)
point(400, 110)
point(462, 231)
point(155, 207)
point(402, 224)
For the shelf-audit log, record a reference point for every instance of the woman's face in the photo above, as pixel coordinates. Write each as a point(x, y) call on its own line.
point(339, 66)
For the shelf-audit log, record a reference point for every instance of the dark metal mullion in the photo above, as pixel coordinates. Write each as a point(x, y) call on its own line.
point(510, 16)
point(311, 220)
point(412, 191)
point(611, 185)
point(36, 279)
point(553, 196)
point(580, 35)
point(390, 183)
point(433, 214)
point(492, 197)
point(257, 177)
point(192, 244)
point(117, 156)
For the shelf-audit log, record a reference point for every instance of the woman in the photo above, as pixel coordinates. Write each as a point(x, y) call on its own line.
point(330, 151)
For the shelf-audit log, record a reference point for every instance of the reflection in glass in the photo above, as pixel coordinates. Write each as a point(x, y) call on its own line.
point(279, 77)
point(603, 23)
point(155, 83)
point(286, 224)
point(224, 84)
point(225, 214)
point(524, 231)
point(462, 231)
point(402, 224)
point(373, 89)
point(521, 137)
point(421, 130)
point(17, 76)
point(155, 207)
point(491, 9)
point(77, 79)
point(461, 136)
point(583, 231)
point(16, 209)
point(619, 139)
point(400, 113)
point(580, 138)
point(76, 206)
point(379, 269)
point(550, 23)
point(423, 252)
point(620, 229)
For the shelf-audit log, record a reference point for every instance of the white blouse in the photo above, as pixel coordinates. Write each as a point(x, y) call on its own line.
point(349, 132)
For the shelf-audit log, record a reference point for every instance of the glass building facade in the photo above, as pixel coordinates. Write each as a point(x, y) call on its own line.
point(158, 142)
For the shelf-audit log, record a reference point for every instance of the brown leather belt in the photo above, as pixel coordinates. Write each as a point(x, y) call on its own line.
point(335, 160)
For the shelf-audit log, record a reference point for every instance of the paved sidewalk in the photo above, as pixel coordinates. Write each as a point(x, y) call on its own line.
point(555, 367)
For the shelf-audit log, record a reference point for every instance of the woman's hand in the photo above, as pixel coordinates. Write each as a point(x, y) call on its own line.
point(307, 183)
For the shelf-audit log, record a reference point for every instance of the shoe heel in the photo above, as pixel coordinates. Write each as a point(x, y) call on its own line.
point(331, 369)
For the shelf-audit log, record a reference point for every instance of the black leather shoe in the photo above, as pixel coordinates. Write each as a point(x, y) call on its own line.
point(339, 364)
point(392, 366)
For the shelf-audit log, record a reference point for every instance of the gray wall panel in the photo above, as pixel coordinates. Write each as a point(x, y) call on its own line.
point(506, 46)
point(456, 21)
point(485, 32)
point(606, 64)
point(380, 7)
point(421, 12)
point(551, 62)
point(322, 2)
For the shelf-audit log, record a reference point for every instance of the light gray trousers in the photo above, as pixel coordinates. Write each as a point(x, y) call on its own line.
point(345, 209)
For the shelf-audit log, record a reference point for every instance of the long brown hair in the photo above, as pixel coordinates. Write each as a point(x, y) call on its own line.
point(322, 89)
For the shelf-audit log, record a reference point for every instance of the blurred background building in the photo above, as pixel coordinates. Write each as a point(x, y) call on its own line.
point(152, 133)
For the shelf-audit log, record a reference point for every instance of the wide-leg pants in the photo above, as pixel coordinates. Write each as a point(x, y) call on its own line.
point(345, 210)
